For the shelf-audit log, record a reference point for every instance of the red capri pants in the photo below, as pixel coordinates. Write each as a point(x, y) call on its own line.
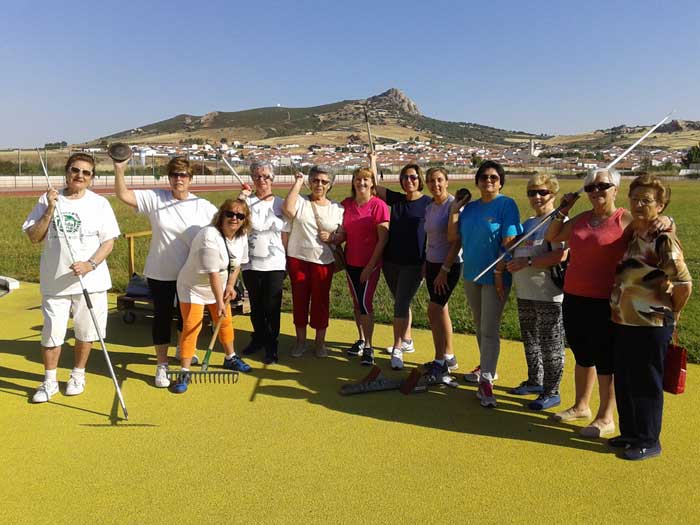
point(311, 286)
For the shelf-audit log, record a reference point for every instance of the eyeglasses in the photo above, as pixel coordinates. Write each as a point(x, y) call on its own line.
point(412, 178)
point(234, 215)
point(325, 182)
point(261, 177)
point(541, 193)
point(179, 175)
point(642, 202)
point(490, 178)
point(86, 173)
point(601, 186)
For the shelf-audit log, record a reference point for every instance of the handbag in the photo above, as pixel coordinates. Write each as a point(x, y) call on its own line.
point(675, 367)
point(558, 271)
point(336, 249)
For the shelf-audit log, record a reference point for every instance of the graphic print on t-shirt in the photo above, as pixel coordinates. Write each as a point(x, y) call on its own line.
point(262, 238)
point(71, 222)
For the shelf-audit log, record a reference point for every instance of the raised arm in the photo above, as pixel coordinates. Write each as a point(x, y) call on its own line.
point(124, 194)
point(289, 206)
point(453, 219)
point(558, 230)
point(37, 231)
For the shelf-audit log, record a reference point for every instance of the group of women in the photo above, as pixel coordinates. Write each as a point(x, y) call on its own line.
point(624, 288)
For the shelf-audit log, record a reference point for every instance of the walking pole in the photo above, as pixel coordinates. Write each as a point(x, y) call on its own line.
point(85, 293)
point(369, 131)
point(553, 214)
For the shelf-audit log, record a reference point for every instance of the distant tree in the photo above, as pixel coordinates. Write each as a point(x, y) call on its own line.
point(476, 160)
point(692, 156)
point(223, 140)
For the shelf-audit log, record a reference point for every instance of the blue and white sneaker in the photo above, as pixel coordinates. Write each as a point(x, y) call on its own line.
point(237, 364)
point(180, 387)
point(524, 389)
point(544, 402)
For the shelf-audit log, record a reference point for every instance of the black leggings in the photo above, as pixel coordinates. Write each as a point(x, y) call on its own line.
point(265, 294)
point(165, 305)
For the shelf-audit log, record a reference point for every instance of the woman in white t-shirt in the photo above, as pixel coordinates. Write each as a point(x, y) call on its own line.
point(315, 221)
point(539, 299)
point(89, 222)
point(176, 216)
point(264, 272)
point(209, 278)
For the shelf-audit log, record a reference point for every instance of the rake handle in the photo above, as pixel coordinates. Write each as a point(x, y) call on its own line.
point(205, 363)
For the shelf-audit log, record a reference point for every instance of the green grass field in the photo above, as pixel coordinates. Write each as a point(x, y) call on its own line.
point(21, 258)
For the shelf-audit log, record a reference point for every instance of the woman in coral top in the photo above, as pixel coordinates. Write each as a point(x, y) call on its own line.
point(596, 245)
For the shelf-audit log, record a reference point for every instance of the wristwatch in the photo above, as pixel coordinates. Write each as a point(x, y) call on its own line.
point(93, 264)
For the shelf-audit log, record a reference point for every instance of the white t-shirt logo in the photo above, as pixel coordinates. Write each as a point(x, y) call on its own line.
point(71, 222)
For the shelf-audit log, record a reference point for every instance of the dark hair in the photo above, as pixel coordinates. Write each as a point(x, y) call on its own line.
point(179, 165)
point(432, 171)
point(487, 164)
point(218, 219)
point(661, 191)
point(80, 156)
point(419, 172)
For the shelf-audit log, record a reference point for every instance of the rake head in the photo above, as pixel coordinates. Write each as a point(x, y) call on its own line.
point(209, 376)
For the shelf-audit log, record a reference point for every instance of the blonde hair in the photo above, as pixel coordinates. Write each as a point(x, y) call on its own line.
point(219, 216)
point(364, 173)
point(543, 179)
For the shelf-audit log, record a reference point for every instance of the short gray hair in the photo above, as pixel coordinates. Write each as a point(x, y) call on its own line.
point(315, 170)
point(261, 165)
point(593, 173)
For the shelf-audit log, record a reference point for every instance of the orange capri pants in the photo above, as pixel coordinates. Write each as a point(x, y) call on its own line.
point(192, 315)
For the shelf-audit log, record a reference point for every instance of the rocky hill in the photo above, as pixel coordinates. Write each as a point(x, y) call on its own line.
point(392, 111)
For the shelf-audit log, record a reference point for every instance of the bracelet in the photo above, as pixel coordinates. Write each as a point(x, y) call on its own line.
point(92, 263)
point(445, 269)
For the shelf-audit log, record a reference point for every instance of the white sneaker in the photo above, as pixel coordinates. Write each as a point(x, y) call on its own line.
point(162, 380)
point(195, 359)
point(475, 375)
point(485, 395)
point(298, 350)
point(405, 348)
point(397, 359)
point(452, 363)
point(45, 391)
point(75, 385)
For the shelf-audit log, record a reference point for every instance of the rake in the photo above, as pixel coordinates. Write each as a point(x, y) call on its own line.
point(205, 375)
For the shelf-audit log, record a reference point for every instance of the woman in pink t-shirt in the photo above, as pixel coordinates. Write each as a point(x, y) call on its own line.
point(366, 227)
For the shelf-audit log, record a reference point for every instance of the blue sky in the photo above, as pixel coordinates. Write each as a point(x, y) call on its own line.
point(78, 70)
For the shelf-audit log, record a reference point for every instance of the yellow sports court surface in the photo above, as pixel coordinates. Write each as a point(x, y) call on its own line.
point(282, 446)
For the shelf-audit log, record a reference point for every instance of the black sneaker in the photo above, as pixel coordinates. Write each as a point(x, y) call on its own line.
point(357, 348)
point(367, 356)
point(436, 370)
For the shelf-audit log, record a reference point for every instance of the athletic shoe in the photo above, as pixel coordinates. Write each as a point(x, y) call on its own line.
point(620, 442)
point(195, 359)
point(322, 351)
point(544, 401)
point(45, 391)
point(367, 356)
point(75, 385)
point(485, 395)
point(436, 370)
point(162, 380)
point(406, 348)
point(452, 363)
point(298, 350)
point(524, 389)
point(356, 349)
point(639, 453)
point(397, 359)
point(237, 364)
point(475, 376)
point(271, 355)
point(181, 386)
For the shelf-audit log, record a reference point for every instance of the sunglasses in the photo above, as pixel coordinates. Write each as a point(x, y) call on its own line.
point(412, 178)
point(321, 181)
point(490, 178)
point(262, 177)
point(601, 186)
point(541, 193)
point(234, 215)
point(179, 175)
point(75, 171)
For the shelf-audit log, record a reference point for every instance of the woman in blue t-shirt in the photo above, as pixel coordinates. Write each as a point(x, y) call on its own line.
point(404, 253)
point(485, 227)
